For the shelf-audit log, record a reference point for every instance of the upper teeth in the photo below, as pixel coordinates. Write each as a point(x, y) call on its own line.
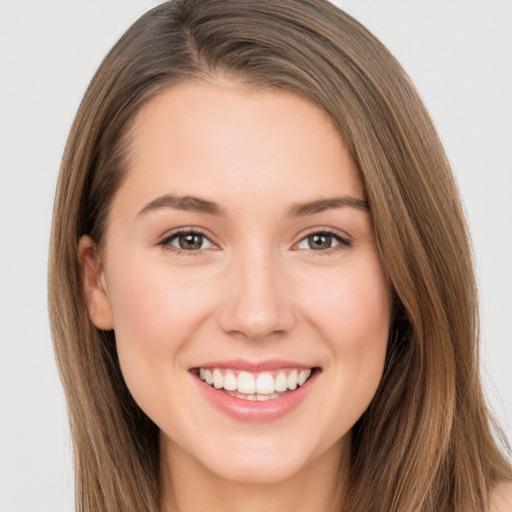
point(264, 383)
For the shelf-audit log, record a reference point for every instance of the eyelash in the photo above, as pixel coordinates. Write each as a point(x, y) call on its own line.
point(166, 242)
point(343, 242)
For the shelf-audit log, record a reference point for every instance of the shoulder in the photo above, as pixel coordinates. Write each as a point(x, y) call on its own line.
point(501, 498)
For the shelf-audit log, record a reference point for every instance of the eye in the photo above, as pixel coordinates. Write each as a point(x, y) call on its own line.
point(322, 241)
point(187, 241)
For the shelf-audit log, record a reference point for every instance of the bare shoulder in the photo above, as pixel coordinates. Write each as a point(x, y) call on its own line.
point(501, 500)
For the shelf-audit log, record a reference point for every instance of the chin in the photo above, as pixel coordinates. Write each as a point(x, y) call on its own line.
point(256, 471)
point(262, 459)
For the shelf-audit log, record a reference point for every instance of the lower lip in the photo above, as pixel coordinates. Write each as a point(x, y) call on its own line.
point(246, 410)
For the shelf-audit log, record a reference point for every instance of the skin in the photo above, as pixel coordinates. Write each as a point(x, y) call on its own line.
point(256, 290)
point(501, 500)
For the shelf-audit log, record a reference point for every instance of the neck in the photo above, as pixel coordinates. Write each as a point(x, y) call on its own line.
point(189, 486)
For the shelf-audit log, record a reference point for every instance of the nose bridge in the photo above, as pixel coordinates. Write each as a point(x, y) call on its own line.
point(257, 300)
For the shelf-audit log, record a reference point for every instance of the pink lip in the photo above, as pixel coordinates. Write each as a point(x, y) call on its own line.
point(245, 410)
point(254, 366)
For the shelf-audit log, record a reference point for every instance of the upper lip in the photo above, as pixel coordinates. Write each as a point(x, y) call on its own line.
point(254, 366)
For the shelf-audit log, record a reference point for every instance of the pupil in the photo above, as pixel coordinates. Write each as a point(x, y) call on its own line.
point(319, 241)
point(191, 241)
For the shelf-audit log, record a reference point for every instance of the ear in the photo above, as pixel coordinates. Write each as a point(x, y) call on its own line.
point(95, 285)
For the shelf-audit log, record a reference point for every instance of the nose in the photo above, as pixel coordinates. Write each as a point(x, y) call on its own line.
point(257, 301)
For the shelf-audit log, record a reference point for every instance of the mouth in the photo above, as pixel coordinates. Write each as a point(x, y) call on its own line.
point(255, 386)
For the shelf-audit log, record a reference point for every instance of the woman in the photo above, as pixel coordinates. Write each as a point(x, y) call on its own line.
point(261, 286)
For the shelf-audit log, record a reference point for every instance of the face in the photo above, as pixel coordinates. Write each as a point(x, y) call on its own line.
point(241, 276)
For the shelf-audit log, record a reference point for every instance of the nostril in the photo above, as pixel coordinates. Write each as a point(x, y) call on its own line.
point(256, 322)
point(256, 305)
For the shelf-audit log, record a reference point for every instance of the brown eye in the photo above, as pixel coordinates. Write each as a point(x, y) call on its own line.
point(190, 241)
point(320, 241)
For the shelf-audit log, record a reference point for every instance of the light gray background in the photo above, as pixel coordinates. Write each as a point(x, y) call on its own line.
point(459, 54)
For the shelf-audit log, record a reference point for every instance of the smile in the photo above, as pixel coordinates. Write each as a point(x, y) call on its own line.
point(250, 386)
point(255, 391)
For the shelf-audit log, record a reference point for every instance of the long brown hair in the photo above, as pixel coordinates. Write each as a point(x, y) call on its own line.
point(425, 443)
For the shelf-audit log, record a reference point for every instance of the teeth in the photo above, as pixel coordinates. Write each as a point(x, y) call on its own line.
point(260, 387)
point(281, 382)
point(303, 377)
point(292, 380)
point(246, 383)
point(218, 379)
point(265, 384)
point(230, 382)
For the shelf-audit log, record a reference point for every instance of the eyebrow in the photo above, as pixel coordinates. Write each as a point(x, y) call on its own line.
point(320, 205)
point(199, 205)
point(186, 203)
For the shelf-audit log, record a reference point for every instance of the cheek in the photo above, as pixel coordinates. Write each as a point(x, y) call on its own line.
point(156, 311)
point(153, 305)
point(143, 310)
point(353, 308)
point(353, 317)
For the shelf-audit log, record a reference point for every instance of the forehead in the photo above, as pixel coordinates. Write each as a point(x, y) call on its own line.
point(225, 140)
